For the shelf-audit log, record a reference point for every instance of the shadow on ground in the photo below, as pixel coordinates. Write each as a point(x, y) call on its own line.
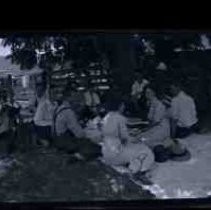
point(46, 175)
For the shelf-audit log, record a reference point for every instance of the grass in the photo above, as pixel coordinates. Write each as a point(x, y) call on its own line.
point(50, 177)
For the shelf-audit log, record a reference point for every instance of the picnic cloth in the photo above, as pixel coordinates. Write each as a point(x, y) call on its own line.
point(188, 179)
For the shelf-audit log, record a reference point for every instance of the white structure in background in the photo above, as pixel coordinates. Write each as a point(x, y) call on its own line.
point(23, 80)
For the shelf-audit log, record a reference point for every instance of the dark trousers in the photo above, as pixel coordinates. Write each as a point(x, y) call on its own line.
point(43, 132)
point(71, 144)
point(183, 132)
point(6, 142)
point(137, 108)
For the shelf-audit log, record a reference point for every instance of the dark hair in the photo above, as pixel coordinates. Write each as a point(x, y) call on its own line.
point(138, 71)
point(157, 89)
point(114, 103)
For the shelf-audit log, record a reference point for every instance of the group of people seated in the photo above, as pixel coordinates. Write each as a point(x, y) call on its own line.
point(81, 125)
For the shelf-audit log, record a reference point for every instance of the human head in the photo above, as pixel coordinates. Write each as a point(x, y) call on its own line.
point(154, 91)
point(116, 104)
point(175, 88)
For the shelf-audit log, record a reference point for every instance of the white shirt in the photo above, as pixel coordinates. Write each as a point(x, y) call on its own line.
point(183, 110)
point(67, 120)
point(44, 113)
point(137, 88)
point(91, 98)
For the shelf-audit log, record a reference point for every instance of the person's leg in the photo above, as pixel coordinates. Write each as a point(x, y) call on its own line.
point(144, 159)
point(66, 143)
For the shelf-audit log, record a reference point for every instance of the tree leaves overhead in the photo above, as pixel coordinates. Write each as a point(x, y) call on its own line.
point(82, 49)
point(164, 44)
point(57, 49)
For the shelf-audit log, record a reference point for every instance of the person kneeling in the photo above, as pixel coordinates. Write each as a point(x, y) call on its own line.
point(118, 150)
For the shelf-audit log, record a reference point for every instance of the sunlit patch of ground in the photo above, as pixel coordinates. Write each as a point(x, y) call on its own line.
point(190, 179)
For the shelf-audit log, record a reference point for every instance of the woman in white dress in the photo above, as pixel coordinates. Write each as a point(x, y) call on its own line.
point(159, 127)
point(118, 148)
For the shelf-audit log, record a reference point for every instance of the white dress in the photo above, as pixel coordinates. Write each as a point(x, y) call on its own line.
point(137, 155)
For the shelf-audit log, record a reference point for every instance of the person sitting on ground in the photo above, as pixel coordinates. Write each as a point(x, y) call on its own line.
point(94, 126)
point(138, 85)
point(118, 149)
point(91, 101)
point(183, 113)
point(137, 91)
point(159, 127)
point(77, 103)
point(43, 117)
point(68, 133)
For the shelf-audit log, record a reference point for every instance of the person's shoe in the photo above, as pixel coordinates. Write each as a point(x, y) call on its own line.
point(141, 177)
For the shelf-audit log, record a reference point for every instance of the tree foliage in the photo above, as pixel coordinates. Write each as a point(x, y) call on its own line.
point(57, 50)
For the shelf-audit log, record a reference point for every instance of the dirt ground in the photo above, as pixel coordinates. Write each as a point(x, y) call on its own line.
point(44, 175)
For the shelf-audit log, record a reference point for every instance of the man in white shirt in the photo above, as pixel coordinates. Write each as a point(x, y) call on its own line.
point(182, 113)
